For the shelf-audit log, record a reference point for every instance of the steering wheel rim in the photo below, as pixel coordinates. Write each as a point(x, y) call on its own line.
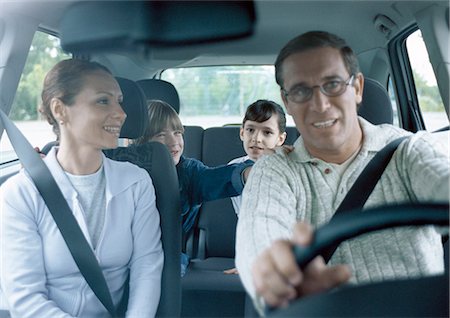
point(395, 298)
point(356, 222)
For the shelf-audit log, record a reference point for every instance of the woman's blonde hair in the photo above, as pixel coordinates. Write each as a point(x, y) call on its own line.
point(161, 116)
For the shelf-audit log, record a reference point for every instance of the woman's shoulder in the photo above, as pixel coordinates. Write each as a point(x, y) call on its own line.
point(123, 166)
point(124, 171)
point(18, 184)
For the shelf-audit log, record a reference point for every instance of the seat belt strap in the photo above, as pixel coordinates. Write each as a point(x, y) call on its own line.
point(56, 203)
point(364, 185)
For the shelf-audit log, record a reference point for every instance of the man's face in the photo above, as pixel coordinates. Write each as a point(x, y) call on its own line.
point(329, 125)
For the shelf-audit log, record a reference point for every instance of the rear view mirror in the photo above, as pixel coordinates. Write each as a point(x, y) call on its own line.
point(117, 25)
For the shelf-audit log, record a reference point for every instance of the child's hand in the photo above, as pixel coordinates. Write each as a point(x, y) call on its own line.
point(285, 148)
point(39, 152)
point(231, 271)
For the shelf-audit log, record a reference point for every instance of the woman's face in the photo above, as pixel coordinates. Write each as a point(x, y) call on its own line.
point(174, 141)
point(96, 117)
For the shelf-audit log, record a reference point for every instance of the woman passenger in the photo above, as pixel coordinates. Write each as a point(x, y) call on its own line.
point(113, 203)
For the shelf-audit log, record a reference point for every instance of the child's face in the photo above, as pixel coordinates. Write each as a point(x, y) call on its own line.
point(174, 141)
point(256, 137)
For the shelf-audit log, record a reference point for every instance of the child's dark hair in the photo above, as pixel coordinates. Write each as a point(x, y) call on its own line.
point(262, 110)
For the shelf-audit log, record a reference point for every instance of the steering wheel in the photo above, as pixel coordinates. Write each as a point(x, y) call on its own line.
point(419, 297)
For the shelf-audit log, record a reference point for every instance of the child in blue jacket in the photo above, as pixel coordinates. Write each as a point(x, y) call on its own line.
point(197, 182)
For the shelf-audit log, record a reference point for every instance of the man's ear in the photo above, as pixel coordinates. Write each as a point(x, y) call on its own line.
point(58, 109)
point(241, 133)
point(359, 87)
point(281, 139)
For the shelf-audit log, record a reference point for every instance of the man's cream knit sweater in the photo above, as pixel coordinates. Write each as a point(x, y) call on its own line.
point(283, 189)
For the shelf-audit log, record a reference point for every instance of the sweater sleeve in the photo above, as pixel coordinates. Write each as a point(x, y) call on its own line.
point(147, 258)
point(424, 162)
point(22, 271)
point(267, 213)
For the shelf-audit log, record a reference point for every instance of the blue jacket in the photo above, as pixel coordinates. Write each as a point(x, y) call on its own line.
point(197, 182)
point(200, 183)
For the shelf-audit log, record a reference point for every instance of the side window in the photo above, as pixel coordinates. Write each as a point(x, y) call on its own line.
point(430, 101)
point(219, 95)
point(45, 51)
point(393, 102)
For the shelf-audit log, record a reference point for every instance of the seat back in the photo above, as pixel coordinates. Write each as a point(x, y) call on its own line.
point(193, 142)
point(217, 221)
point(376, 105)
point(221, 145)
point(156, 160)
point(162, 90)
point(135, 106)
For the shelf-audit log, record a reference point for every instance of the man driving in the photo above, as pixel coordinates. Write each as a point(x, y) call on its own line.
point(287, 195)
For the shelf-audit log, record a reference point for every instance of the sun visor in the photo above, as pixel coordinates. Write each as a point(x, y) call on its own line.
point(116, 25)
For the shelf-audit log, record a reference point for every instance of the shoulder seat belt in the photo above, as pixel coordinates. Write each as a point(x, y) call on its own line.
point(361, 189)
point(61, 213)
point(364, 185)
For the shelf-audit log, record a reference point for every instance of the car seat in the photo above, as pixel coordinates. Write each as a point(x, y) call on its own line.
point(217, 221)
point(376, 104)
point(206, 289)
point(162, 90)
point(155, 158)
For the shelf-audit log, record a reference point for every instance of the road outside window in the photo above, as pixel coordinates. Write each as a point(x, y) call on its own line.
point(45, 51)
point(430, 101)
point(219, 95)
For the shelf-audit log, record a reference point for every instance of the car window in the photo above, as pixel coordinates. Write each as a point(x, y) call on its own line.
point(45, 51)
point(396, 121)
point(219, 95)
point(430, 101)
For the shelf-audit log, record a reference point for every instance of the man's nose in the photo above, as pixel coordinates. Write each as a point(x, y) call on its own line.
point(319, 102)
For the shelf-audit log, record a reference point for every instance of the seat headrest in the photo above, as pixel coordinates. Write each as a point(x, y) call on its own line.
point(376, 105)
point(135, 106)
point(162, 90)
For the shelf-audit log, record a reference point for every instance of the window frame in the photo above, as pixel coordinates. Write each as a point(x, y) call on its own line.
point(410, 117)
point(409, 109)
point(10, 163)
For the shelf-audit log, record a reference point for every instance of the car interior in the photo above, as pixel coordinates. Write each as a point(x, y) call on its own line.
point(163, 50)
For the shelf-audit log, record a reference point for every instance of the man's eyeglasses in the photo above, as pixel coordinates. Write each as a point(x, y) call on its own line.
point(333, 88)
